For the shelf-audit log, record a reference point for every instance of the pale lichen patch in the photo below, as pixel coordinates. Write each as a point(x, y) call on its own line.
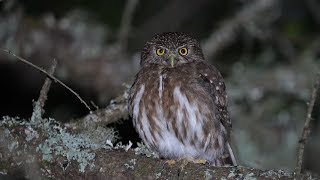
point(144, 150)
point(131, 164)
point(207, 174)
point(57, 141)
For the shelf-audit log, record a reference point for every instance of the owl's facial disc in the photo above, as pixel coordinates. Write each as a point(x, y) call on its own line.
point(171, 49)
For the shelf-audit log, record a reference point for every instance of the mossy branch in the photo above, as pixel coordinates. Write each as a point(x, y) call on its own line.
point(55, 153)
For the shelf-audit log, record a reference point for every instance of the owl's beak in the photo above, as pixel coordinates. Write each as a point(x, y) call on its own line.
point(172, 58)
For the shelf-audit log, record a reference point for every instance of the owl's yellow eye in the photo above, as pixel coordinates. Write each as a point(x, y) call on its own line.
point(160, 51)
point(183, 51)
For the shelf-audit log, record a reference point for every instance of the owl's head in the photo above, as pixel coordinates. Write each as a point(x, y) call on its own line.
point(171, 49)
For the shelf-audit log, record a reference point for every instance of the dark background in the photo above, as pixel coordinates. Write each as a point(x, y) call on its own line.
point(269, 63)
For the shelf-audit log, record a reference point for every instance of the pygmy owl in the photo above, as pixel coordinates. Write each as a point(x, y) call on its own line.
point(178, 102)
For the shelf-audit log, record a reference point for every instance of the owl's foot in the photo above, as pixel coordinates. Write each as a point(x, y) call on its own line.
point(171, 162)
point(186, 161)
point(199, 161)
point(196, 161)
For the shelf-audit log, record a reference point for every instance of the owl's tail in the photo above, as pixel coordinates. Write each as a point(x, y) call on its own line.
point(232, 157)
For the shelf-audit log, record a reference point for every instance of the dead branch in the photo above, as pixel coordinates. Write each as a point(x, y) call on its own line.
point(39, 104)
point(228, 31)
point(46, 86)
point(20, 155)
point(48, 75)
point(117, 110)
point(306, 129)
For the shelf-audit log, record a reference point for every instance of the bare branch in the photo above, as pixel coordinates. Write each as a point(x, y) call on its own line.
point(117, 110)
point(39, 104)
point(306, 129)
point(46, 86)
point(48, 75)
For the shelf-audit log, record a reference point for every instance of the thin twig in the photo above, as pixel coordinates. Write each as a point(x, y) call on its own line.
point(94, 105)
point(39, 104)
point(306, 129)
point(48, 75)
point(126, 22)
point(117, 110)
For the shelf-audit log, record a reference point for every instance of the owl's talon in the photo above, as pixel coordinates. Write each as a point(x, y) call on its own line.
point(171, 162)
point(199, 161)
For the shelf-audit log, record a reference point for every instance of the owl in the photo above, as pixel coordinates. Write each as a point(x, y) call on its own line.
point(178, 102)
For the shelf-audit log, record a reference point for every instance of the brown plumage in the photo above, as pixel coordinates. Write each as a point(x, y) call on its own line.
point(178, 102)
